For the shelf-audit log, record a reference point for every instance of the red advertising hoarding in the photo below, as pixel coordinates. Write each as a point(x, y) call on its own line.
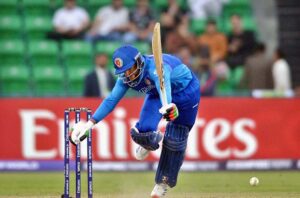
point(226, 129)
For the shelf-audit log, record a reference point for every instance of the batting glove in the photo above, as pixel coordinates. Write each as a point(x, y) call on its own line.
point(80, 131)
point(169, 112)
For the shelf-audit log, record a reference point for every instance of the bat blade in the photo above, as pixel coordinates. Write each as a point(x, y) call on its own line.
point(157, 53)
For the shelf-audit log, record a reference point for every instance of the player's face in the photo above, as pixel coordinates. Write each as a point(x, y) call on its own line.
point(132, 76)
point(132, 73)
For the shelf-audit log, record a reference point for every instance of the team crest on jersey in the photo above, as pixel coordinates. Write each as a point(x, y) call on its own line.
point(118, 62)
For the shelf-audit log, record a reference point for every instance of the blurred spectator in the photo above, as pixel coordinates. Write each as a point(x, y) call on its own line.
point(216, 41)
point(110, 22)
point(202, 9)
point(281, 72)
point(222, 71)
point(240, 43)
point(173, 41)
point(69, 22)
point(225, 83)
point(180, 37)
point(257, 74)
point(170, 17)
point(99, 82)
point(186, 57)
point(297, 91)
point(205, 73)
point(141, 23)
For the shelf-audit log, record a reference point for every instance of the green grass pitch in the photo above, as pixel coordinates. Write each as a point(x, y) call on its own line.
point(139, 184)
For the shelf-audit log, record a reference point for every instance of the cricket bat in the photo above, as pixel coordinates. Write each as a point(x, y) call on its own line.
point(157, 53)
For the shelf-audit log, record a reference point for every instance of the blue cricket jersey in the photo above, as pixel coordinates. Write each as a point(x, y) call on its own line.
point(176, 77)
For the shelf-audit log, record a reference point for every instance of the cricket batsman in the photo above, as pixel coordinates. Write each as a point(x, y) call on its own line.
point(138, 72)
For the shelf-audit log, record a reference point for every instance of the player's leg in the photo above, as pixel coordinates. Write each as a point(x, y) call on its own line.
point(176, 136)
point(149, 116)
point(145, 131)
point(172, 155)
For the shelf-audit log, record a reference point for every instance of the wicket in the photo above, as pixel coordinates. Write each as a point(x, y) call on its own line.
point(78, 150)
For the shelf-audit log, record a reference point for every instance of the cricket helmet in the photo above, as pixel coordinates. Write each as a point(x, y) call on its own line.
point(124, 58)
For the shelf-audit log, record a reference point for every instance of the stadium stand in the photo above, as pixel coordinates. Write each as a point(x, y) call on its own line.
point(23, 28)
point(37, 27)
point(49, 81)
point(12, 52)
point(161, 4)
point(107, 47)
point(15, 81)
point(10, 27)
point(9, 7)
point(77, 53)
point(43, 53)
point(76, 79)
point(36, 8)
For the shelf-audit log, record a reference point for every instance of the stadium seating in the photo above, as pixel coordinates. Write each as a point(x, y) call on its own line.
point(11, 52)
point(37, 27)
point(232, 84)
point(36, 8)
point(162, 4)
point(76, 77)
point(8, 7)
point(43, 53)
point(77, 53)
point(94, 6)
point(59, 3)
point(48, 81)
point(236, 76)
point(98, 4)
point(241, 7)
point(248, 24)
point(129, 3)
point(224, 88)
point(239, 4)
point(50, 68)
point(53, 5)
point(143, 47)
point(10, 27)
point(14, 80)
point(107, 47)
point(197, 26)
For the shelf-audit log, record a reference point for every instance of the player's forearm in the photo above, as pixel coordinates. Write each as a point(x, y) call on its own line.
point(110, 102)
point(103, 110)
